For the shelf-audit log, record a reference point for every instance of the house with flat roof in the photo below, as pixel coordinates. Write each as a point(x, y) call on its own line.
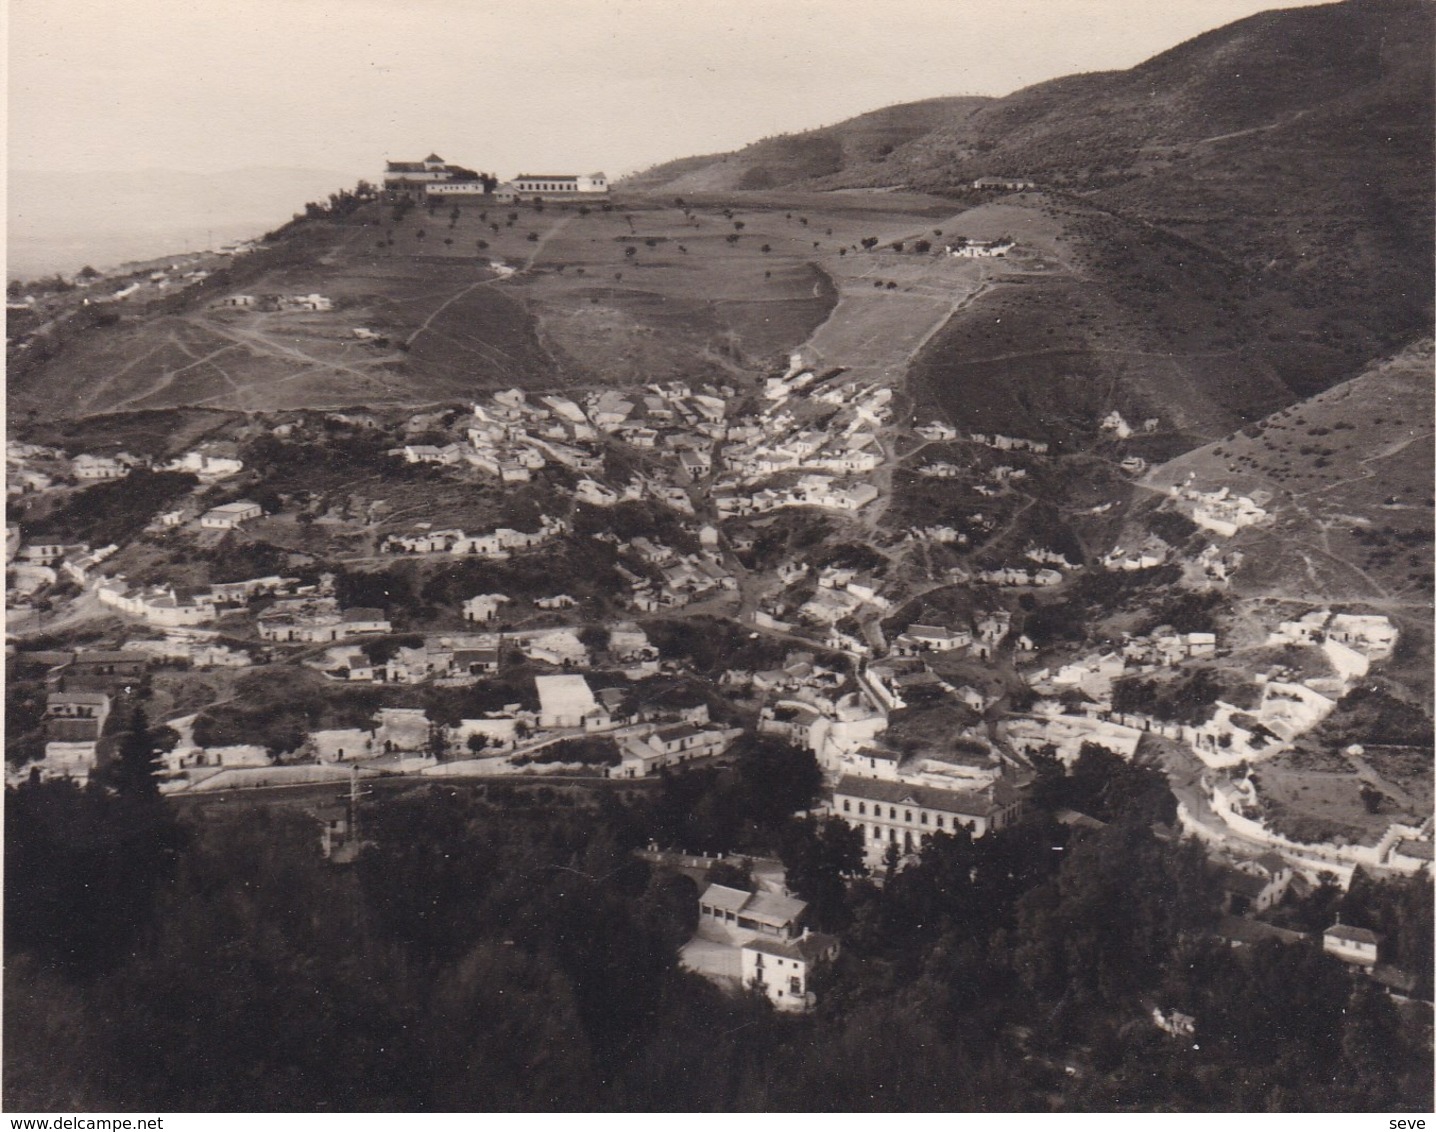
point(65, 759)
point(228, 516)
point(339, 745)
point(562, 184)
point(77, 705)
point(483, 607)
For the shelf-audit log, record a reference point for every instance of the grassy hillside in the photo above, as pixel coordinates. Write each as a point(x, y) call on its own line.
point(1223, 230)
point(866, 140)
point(460, 300)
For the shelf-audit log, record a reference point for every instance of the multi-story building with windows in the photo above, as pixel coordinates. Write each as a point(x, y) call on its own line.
point(902, 814)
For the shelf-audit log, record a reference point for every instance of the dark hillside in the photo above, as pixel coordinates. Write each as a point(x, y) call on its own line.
point(1340, 69)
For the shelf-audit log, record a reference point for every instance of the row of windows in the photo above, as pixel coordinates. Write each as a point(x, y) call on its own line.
point(551, 186)
point(892, 834)
point(893, 813)
point(758, 961)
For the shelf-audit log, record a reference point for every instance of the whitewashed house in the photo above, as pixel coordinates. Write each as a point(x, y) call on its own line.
point(782, 969)
point(228, 516)
point(1357, 946)
point(484, 607)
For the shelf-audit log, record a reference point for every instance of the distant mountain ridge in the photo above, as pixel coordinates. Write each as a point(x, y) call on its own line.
point(1349, 64)
point(813, 155)
point(1265, 186)
point(1296, 141)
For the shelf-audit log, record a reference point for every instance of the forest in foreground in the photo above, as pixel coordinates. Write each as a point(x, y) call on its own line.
point(500, 948)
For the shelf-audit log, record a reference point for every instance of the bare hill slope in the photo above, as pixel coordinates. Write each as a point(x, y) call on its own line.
point(1346, 476)
point(793, 159)
point(1295, 145)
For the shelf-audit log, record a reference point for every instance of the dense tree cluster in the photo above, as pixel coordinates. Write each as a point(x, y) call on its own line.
point(503, 949)
point(710, 645)
point(115, 511)
point(82, 866)
point(1190, 697)
point(343, 455)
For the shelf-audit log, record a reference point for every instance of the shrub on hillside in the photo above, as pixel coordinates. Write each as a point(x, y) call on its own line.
point(116, 511)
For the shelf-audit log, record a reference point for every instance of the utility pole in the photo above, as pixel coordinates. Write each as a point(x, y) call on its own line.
point(348, 852)
point(354, 796)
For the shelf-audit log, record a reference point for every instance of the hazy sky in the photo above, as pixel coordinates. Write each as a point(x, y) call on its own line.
point(523, 85)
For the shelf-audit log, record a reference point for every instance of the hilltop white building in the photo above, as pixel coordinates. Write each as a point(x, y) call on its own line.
point(543, 184)
point(420, 179)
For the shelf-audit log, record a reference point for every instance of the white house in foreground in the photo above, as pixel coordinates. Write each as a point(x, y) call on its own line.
point(564, 700)
point(781, 968)
point(1352, 945)
point(776, 955)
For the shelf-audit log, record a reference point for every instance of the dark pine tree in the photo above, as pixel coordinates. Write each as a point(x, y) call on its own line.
point(83, 866)
point(134, 774)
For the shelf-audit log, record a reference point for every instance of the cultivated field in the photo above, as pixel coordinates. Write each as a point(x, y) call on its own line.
point(1322, 804)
